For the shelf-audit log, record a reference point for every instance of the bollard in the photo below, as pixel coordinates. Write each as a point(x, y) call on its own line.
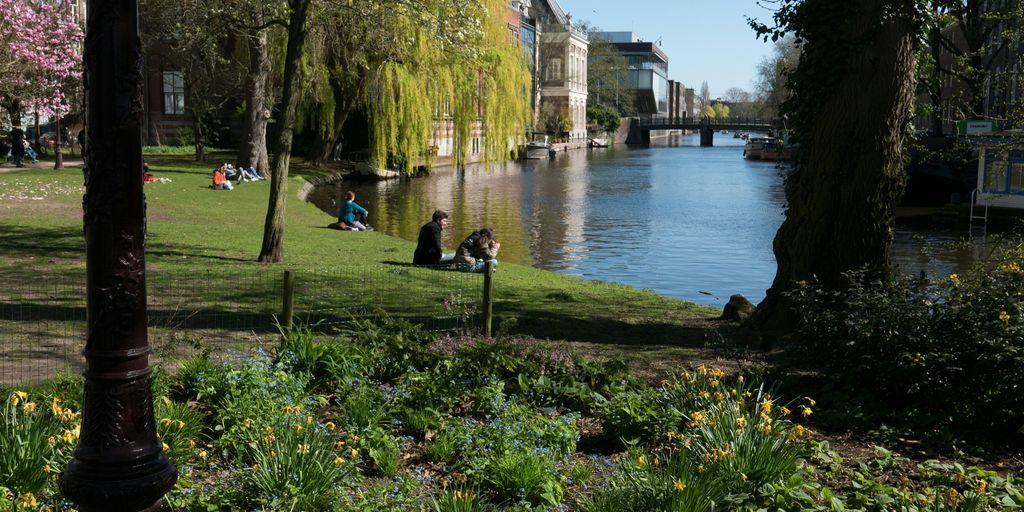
point(288, 300)
point(488, 297)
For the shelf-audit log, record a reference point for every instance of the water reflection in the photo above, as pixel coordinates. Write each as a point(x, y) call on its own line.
point(688, 222)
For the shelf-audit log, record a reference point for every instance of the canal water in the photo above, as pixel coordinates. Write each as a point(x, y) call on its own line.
point(685, 221)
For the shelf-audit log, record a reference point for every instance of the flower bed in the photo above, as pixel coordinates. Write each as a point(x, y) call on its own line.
point(387, 417)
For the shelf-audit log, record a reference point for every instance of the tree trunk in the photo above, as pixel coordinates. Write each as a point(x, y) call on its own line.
point(342, 108)
point(842, 200)
point(253, 152)
point(273, 230)
point(197, 132)
point(935, 87)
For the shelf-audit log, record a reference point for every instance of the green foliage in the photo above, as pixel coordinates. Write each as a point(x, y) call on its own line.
point(37, 436)
point(297, 467)
point(604, 117)
point(521, 476)
point(395, 344)
point(331, 366)
point(484, 77)
point(385, 450)
point(180, 427)
point(443, 447)
point(638, 416)
point(941, 349)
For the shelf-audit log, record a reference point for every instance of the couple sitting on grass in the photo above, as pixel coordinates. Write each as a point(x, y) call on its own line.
point(225, 174)
point(472, 255)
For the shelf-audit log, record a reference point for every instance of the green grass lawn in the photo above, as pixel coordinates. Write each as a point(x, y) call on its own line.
point(206, 242)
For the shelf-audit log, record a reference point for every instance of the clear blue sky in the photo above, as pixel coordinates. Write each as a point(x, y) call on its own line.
point(704, 39)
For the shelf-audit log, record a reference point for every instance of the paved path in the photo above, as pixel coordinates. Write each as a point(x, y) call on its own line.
point(42, 164)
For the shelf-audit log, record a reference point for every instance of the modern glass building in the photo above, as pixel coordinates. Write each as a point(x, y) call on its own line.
point(648, 70)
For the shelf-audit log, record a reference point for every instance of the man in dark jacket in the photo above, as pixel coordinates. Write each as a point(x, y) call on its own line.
point(17, 145)
point(428, 247)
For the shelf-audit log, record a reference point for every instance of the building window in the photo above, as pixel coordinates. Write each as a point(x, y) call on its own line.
point(174, 93)
point(554, 69)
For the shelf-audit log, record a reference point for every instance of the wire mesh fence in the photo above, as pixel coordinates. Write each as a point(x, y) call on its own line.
point(43, 320)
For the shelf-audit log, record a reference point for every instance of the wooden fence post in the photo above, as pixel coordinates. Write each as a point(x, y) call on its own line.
point(288, 300)
point(488, 297)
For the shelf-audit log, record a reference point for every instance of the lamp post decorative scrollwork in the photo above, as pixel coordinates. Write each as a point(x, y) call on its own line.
point(118, 464)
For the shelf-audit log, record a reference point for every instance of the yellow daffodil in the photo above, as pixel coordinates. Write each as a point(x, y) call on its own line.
point(268, 438)
point(741, 421)
point(330, 426)
point(303, 449)
point(680, 486)
point(641, 460)
point(1004, 317)
point(955, 279)
point(338, 461)
point(784, 410)
point(47, 469)
point(28, 500)
point(165, 447)
point(55, 406)
point(247, 422)
point(29, 407)
point(806, 412)
point(981, 486)
point(801, 283)
point(339, 444)
point(191, 443)
point(743, 476)
point(180, 424)
point(202, 454)
point(51, 440)
point(354, 453)
point(273, 454)
point(166, 421)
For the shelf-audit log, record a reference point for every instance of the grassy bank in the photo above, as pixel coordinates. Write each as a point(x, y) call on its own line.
point(213, 237)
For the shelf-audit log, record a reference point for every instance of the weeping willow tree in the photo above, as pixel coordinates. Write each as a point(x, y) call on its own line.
point(459, 69)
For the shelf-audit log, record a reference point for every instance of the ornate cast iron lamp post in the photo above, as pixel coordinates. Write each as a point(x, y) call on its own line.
point(118, 464)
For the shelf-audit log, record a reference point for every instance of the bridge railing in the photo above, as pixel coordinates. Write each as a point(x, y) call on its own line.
point(652, 120)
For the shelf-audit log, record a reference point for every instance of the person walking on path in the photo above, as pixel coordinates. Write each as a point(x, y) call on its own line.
point(349, 210)
point(428, 245)
point(18, 145)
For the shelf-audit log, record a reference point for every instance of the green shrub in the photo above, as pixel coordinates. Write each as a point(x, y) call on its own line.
point(385, 450)
point(396, 345)
point(949, 350)
point(331, 366)
point(522, 476)
point(638, 415)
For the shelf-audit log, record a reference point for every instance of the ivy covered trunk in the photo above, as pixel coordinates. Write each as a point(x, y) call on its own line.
point(853, 114)
point(273, 230)
point(343, 100)
point(253, 152)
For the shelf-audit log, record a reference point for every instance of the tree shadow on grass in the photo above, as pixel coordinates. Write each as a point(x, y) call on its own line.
point(601, 329)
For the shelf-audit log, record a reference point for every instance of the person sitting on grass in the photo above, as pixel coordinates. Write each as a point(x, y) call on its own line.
point(249, 174)
point(428, 247)
point(220, 179)
point(476, 250)
point(352, 214)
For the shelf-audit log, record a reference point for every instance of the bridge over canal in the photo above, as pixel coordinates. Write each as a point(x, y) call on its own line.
point(640, 127)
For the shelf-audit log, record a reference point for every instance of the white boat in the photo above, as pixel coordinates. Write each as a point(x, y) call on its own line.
point(752, 150)
point(538, 149)
point(598, 142)
point(365, 170)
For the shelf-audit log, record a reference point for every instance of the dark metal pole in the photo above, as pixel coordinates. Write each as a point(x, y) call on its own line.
point(118, 464)
point(58, 155)
point(488, 304)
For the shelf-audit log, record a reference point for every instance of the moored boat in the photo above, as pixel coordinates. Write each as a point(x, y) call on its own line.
point(538, 149)
point(752, 150)
point(598, 142)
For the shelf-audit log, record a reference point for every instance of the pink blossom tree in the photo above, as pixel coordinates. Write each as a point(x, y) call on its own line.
point(40, 58)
